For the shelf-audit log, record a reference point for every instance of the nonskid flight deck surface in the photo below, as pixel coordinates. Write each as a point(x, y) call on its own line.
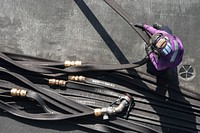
point(92, 32)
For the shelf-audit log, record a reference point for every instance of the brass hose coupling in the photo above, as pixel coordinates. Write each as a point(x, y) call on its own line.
point(57, 82)
point(124, 102)
point(76, 78)
point(72, 63)
point(18, 92)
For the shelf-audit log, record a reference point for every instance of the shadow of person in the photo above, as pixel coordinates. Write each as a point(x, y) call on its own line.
point(168, 86)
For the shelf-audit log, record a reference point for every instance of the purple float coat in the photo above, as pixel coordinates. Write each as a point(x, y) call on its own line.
point(171, 60)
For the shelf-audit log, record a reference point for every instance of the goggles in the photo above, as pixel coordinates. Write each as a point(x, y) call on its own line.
point(166, 49)
point(161, 44)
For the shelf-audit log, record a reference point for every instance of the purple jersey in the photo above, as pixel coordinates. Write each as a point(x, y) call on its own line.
point(171, 60)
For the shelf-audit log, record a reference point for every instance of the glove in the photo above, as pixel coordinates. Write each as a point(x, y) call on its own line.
point(139, 25)
point(157, 26)
point(148, 49)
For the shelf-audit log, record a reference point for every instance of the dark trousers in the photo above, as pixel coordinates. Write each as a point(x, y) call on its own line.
point(153, 71)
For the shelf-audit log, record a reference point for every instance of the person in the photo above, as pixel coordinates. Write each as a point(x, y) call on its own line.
point(165, 50)
point(166, 53)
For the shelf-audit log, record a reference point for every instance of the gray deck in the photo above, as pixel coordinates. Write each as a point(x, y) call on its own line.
point(89, 30)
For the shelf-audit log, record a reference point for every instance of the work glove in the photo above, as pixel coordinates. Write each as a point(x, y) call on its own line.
point(157, 26)
point(148, 49)
point(139, 25)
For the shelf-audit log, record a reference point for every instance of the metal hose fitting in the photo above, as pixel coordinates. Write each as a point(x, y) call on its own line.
point(57, 82)
point(76, 78)
point(72, 63)
point(125, 101)
point(18, 92)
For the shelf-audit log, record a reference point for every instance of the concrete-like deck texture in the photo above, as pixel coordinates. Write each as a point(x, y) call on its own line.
point(89, 30)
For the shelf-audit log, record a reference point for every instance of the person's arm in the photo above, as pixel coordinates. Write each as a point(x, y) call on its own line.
point(155, 62)
point(150, 29)
point(153, 58)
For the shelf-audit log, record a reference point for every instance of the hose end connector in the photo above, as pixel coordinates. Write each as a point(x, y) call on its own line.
point(72, 63)
point(97, 112)
point(77, 78)
point(57, 82)
point(123, 102)
point(131, 104)
point(18, 92)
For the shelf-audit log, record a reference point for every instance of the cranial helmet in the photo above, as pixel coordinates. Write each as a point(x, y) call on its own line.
point(161, 43)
